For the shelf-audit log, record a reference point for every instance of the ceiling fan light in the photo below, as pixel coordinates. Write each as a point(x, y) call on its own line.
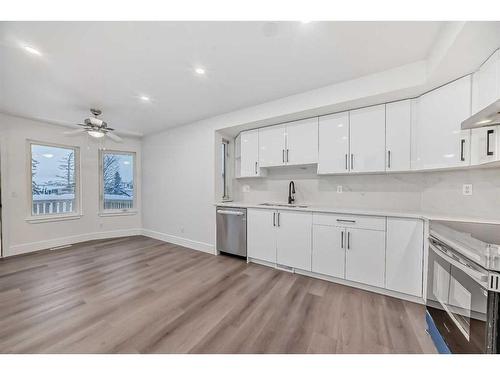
point(95, 133)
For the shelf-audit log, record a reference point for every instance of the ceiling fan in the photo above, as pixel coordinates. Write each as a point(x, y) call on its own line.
point(95, 127)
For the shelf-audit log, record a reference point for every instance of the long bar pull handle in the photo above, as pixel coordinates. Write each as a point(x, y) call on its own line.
point(274, 219)
point(462, 144)
point(346, 163)
point(389, 159)
point(346, 221)
point(348, 240)
point(342, 239)
point(283, 155)
point(352, 162)
point(278, 221)
point(287, 160)
point(255, 167)
point(488, 134)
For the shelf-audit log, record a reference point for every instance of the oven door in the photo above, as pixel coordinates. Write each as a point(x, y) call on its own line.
point(457, 299)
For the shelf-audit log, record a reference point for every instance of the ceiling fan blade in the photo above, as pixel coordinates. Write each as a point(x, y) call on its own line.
point(114, 137)
point(73, 132)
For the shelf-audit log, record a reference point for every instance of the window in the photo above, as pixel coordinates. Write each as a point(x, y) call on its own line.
point(224, 167)
point(117, 181)
point(54, 177)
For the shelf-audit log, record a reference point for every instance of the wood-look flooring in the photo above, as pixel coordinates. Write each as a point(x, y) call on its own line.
point(140, 295)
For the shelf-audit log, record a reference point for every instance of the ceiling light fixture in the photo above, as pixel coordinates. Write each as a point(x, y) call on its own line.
point(95, 133)
point(32, 50)
point(200, 71)
point(144, 98)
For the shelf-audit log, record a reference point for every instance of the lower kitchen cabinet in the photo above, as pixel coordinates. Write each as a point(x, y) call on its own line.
point(328, 254)
point(294, 239)
point(404, 255)
point(261, 234)
point(365, 256)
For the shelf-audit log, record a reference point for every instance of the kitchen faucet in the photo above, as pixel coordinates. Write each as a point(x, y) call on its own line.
point(291, 191)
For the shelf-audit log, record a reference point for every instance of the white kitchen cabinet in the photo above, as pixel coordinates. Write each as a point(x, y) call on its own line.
point(272, 146)
point(367, 139)
point(302, 142)
point(333, 152)
point(398, 136)
point(404, 255)
point(365, 256)
point(293, 230)
point(249, 154)
point(437, 139)
point(485, 145)
point(261, 234)
point(488, 82)
point(328, 253)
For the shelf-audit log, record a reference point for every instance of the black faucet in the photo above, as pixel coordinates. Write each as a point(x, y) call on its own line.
point(291, 190)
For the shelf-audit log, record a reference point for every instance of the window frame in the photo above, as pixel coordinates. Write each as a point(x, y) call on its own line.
point(77, 212)
point(117, 212)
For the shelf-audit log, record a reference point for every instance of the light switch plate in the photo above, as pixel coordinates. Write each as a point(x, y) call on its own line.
point(339, 188)
point(467, 189)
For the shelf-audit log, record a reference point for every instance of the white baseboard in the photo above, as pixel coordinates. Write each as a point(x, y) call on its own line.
point(196, 245)
point(63, 241)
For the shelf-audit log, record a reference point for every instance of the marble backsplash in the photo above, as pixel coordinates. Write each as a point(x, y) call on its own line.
point(438, 192)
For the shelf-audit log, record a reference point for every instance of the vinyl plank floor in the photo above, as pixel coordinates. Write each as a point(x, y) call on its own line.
point(140, 295)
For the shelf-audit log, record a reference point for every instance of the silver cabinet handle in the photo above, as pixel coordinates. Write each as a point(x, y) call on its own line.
point(255, 167)
point(279, 218)
point(346, 163)
point(352, 161)
point(462, 144)
point(342, 239)
point(488, 134)
point(287, 160)
point(348, 240)
point(389, 159)
point(274, 219)
point(227, 212)
point(283, 155)
point(346, 221)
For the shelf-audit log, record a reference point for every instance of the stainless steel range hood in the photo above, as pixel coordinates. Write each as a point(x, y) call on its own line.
point(488, 116)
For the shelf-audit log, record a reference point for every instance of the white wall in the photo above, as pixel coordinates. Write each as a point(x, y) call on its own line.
point(19, 236)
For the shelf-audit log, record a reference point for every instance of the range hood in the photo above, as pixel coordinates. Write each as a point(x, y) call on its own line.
point(488, 116)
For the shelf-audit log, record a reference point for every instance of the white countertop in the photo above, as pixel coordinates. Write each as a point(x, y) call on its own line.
point(360, 211)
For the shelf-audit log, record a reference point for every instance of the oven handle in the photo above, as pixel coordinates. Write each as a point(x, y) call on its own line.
point(476, 275)
point(227, 212)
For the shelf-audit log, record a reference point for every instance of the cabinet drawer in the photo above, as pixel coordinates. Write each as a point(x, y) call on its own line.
point(350, 221)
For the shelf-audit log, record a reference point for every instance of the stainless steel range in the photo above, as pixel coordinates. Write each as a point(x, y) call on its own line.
point(463, 287)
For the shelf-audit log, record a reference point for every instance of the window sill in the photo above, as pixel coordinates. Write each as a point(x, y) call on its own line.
point(51, 218)
point(118, 213)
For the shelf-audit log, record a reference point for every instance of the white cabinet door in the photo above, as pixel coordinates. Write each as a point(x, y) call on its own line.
point(272, 146)
point(249, 153)
point(489, 81)
point(302, 142)
point(328, 253)
point(294, 239)
point(333, 150)
point(404, 255)
point(261, 235)
point(367, 139)
point(485, 145)
point(365, 256)
point(398, 135)
point(437, 138)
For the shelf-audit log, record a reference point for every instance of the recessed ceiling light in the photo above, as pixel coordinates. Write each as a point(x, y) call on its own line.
point(32, 50)
point(200, 71)
point(144, 98)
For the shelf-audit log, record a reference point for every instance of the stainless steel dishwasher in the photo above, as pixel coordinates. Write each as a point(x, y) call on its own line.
point(232, 230)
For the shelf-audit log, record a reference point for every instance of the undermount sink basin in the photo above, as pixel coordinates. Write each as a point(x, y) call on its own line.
point(282, 205)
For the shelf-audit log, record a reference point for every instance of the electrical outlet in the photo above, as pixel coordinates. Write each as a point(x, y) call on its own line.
point(339, 188)
point(467, 189)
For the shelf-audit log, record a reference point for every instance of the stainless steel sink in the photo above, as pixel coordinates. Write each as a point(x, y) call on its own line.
point(282, 205)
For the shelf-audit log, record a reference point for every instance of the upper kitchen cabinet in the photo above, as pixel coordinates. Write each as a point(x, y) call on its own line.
point(249, 154)
point(272, 146)
point(398, 136)
point(367, 139)
point(333, 150)
point(302, 142)
point(487, 83)
point(485, 145)
point(294, 143)
point(437, 139)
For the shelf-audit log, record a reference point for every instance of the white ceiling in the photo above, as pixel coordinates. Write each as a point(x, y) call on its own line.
point(109, 64)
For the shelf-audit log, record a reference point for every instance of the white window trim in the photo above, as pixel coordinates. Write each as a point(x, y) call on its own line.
point(126, 211)
point(77, 213)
